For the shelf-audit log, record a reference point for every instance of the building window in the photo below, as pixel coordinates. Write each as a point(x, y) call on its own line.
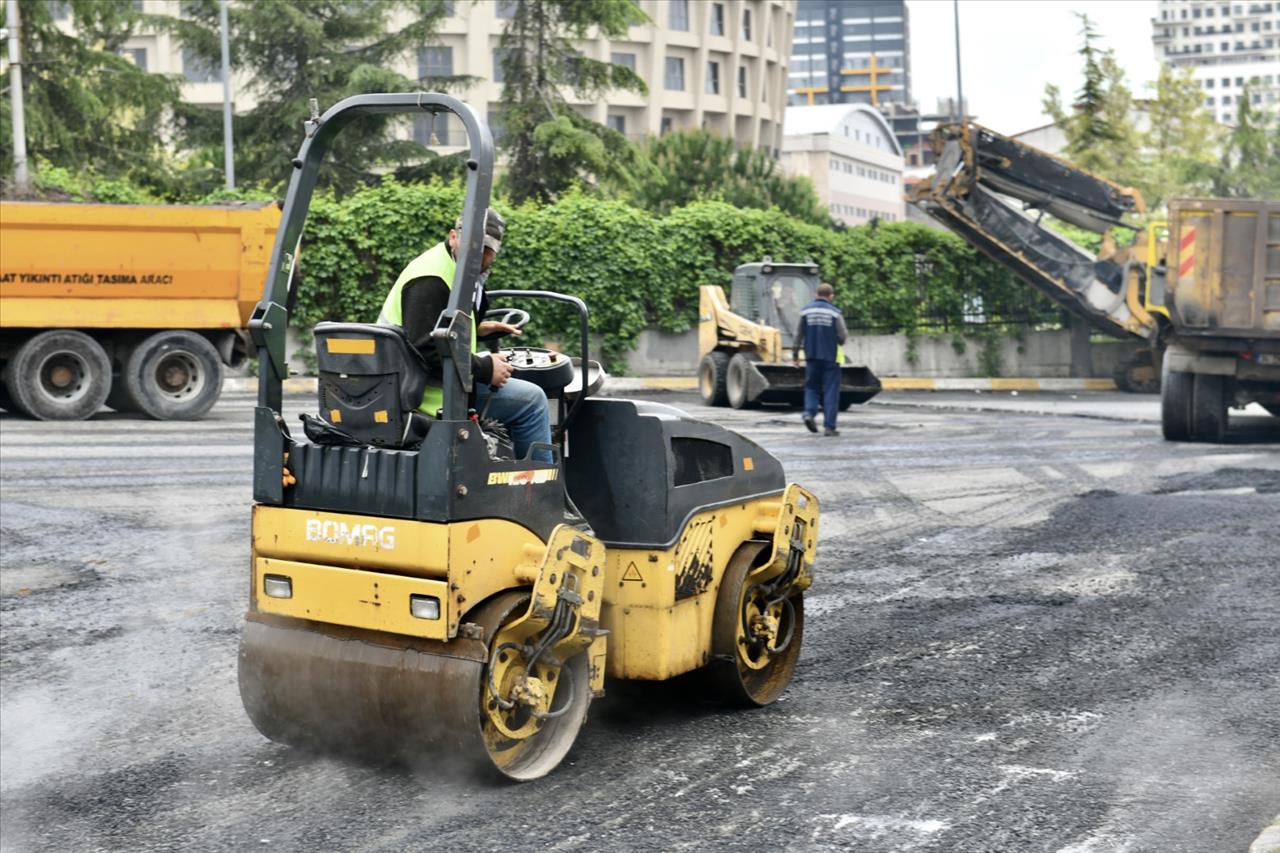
point(618, 123)
point(60, 10)
point(664, 126)
point(746, 24)
point(507, 8)
point(673, 79)
point(499, 59)
point(196, 69)
point(138, 55)
point(678, 15)
point(742, 81)
point(717, 19)
point(448, 8)
point(627, 60)
point(1208, 84)
point(431, 129)
point(713, 78)
point(435, 62)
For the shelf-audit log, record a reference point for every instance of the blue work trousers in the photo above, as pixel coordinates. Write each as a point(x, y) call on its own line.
point(522, 407)
point(822, 389)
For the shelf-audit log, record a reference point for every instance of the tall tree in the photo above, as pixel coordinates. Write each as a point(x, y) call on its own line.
point(550, 145)
point(1101, 136)
point(695, 165)
point(296, 50)
point(87, 106)
point(1251, 156)
point(1179, 148)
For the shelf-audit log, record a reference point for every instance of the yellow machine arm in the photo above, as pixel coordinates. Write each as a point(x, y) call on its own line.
point(719, 326)
point(979, 177)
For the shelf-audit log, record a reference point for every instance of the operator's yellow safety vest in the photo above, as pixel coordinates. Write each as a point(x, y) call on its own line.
point(437, 262)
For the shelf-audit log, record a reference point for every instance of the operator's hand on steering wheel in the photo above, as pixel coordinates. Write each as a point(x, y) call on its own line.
point(501, 370)
point(493, 327)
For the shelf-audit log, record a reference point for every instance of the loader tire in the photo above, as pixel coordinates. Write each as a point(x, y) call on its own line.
point(713, 371)
point(59, 375)
point(174, 375)
point(1209, 407)
point(736, 675)
point(1175, 404)
point(736, 382)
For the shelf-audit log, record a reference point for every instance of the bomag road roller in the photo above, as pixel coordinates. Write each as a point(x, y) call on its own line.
point(419, 595)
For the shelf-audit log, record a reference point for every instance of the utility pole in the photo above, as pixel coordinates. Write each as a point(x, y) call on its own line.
point(21, 180)
point(227, 143)
point(960, 110)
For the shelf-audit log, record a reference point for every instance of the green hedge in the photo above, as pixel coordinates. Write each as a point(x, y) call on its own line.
point(635, 270)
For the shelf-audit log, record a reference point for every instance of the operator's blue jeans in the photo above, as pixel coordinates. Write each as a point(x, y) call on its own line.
point(522, 406)
point(822, 383)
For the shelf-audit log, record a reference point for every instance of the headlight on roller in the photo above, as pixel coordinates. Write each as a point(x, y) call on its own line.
point(277, 586)
point(424, 606)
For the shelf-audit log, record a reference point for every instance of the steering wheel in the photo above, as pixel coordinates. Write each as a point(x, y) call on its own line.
point(517, 317)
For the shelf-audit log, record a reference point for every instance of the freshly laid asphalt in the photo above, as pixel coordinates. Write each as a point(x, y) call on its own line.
point(1035, 626)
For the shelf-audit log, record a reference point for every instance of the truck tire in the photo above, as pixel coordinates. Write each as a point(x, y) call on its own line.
point(59, 375)
point(174, 375)
point(1175, 404)
point(1209, 407)
point(6, 400)
point(712, 373)
point(735, 384)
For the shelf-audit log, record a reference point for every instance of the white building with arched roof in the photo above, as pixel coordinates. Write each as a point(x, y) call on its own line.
point(851, 155)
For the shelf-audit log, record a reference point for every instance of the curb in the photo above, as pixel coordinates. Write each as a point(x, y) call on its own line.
point(630, 384)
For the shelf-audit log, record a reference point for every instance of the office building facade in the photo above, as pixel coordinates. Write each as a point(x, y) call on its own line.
point(850, 52)
point(1231, 47)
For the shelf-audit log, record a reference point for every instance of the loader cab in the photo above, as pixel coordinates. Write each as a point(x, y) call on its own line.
point(774, 294)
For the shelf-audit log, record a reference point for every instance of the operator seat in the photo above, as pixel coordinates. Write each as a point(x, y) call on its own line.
point(371, 383)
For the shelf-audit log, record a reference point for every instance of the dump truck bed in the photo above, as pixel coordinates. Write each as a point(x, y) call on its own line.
point(1223, 273)
point(108, 266)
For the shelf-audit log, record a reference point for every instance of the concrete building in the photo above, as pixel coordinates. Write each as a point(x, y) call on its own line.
point(850, 52)
point(1228, 44)
point(715, 64)
point(851, 155)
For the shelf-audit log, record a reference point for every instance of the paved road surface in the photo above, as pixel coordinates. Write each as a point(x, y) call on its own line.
point(1029, 632)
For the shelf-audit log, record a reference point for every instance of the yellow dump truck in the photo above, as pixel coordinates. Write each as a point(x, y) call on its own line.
point(137, 307)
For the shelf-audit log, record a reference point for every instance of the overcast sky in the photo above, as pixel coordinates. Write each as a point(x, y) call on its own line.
point(1010, 49)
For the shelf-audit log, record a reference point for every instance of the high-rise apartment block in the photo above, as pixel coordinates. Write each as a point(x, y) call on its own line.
point(714, 64)
point(850, 52)
point(1228, 45)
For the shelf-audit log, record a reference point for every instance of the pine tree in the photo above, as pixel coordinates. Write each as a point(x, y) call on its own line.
point(549, 145)
point(86, 106)
point(296, 50)
point(1251, 157)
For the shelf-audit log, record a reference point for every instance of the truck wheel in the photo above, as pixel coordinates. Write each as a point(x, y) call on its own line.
point(1209, 407)
point(712, 373)
point(6, 400)
point(1175, 404)
point(735, 384)
point(59, 375)
point(174, 375)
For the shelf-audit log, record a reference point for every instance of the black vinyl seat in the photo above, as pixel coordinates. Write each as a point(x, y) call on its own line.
point(371, 383)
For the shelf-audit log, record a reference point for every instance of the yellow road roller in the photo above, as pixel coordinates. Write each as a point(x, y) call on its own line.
point(419, 594)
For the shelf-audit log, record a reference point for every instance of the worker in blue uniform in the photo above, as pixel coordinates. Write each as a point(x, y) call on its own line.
point(822, 333)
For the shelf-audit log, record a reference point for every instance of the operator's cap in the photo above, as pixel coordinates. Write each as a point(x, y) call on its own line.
point(494, 228)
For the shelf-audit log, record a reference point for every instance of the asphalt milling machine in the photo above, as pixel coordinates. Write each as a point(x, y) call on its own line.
point(418, 595)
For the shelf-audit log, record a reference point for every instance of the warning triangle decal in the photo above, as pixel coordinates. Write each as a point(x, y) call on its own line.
point(632, 573)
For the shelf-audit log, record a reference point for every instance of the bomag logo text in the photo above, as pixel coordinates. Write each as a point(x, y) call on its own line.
point(522, 478)
point(341, 533)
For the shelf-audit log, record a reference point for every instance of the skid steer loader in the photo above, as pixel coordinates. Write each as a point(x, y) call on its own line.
point(745, 344)
point(418, 594)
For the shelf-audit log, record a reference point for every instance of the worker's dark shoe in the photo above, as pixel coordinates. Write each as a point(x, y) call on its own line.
point(809, 422)
point(829, 431)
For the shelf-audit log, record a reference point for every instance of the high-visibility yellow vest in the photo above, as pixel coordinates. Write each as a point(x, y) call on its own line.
point(437, 262)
